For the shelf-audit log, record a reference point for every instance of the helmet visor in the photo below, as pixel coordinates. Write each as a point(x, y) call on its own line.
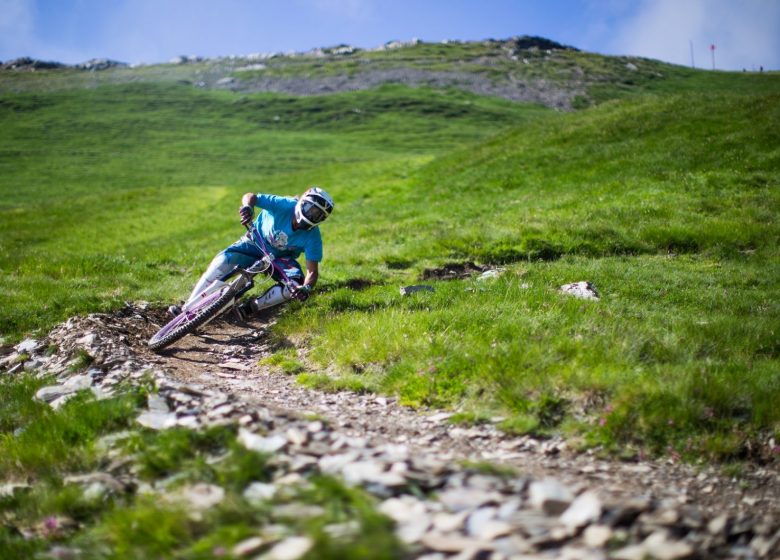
point(315, 210)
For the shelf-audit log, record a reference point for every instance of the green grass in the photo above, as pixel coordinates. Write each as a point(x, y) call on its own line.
point(37, 441)
point(128, 173)
point(665, 195)
point(668, 204)
point(284, 360)
point(40, 447)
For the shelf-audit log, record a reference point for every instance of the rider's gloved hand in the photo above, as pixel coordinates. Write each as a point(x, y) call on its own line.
point(301, 293)
point(246, 213)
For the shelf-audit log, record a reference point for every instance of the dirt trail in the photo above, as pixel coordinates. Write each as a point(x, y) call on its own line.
point(225, 357)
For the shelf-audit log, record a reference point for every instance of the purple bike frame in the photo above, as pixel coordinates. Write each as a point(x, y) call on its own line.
point(260, 244)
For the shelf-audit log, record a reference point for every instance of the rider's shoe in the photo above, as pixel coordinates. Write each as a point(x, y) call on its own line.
point(174, 310)
point(243, 311)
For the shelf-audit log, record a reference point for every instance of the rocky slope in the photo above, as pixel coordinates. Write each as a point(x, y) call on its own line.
point(454, 492)
point(527, 69)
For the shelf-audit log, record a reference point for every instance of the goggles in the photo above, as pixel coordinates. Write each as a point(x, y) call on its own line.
point(315, 209)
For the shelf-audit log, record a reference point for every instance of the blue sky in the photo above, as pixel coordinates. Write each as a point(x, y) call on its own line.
point(746, 32)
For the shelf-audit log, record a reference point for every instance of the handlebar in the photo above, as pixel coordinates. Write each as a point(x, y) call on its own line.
point(252, 231)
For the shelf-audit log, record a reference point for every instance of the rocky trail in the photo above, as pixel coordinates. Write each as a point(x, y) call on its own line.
point(454, 492)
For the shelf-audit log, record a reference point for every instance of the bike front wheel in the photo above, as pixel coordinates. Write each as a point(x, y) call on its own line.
point(198, 315)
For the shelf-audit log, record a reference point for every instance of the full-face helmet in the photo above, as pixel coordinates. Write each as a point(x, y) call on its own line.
point(313, 207)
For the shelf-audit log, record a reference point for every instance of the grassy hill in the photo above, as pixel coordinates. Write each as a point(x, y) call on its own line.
point(661, 189)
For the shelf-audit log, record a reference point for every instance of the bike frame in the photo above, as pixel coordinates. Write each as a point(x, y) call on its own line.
point(257, 240)
point(215, 290)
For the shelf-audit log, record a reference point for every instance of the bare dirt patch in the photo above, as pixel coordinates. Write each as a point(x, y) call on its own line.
point(226, 355)
point(453, 271)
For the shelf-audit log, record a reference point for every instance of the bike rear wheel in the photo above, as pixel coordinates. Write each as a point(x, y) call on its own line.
point(188, 321)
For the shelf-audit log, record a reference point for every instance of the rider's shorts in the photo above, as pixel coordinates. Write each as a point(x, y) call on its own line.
point(243, 254)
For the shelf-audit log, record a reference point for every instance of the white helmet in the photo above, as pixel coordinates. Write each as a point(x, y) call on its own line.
point(314, 206)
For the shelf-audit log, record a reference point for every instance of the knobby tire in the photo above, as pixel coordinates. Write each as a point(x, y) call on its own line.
point(201, 317)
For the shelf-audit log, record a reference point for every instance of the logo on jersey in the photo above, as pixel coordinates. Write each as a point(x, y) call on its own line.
point(279, 240)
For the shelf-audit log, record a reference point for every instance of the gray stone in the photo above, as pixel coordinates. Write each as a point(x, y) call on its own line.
point(8, 489)
point(630, 552)
point(412, 530)
point(453, 543)
point(490, 274)
point(550, 496)
point(27, 345)
point(290, 548)
point(156, 420)
point(258, 492)
point(444, 522)
point(77, 383)
point(56, 404)
point(535, 524)
point(333, 464)
point(50, 393)
point(763, 545)
point(478, 519)
point(261, 444)
point(189, 422)
point(409, 290)
point(300, 463)
point(439, 417)
point(102, 393)
point(296, 437)
point(402, 509)
point(596, 536)
point(201, 496)
point(460, 499)
point(717, 525)
point(659, 546)
point(625, 512)
point(32, 365)
point(297, 511)
point(247, 546)
point(341, 531)
point(585, 509)
point(315, 426)
point(96, 483)
point(156, 403)
point(492, 529)
point(581, 290)
point(362, 471)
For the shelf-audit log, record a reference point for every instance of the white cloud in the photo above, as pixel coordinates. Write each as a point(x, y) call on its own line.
point(745, 32)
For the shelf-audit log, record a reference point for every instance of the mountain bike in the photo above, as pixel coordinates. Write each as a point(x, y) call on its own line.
point(221, 295)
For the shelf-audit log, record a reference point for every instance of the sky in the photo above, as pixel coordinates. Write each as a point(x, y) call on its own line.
point(746, 33)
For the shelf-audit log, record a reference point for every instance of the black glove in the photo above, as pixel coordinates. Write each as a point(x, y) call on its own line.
point(246, 213)
point(301, 293)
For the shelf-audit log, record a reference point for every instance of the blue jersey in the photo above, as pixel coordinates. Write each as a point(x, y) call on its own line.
point(275, 224)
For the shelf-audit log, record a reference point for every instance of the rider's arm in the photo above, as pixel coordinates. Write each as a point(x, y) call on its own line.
point(312, 273)
point(249, 199)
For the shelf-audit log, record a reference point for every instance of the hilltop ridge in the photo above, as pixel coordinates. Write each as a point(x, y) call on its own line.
point(523, 69)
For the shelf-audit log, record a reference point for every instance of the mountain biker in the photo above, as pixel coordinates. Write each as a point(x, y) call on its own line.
point(289, 226)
